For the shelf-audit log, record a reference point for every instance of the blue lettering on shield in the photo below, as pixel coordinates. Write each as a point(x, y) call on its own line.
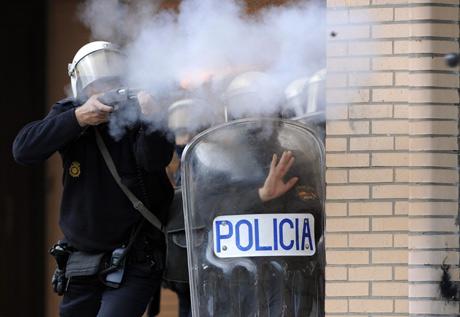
point(264, 235)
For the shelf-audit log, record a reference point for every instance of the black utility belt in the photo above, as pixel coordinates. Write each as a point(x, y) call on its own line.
point(71, 263)
point(84, 264)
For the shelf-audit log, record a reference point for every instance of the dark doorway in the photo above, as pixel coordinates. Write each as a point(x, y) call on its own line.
point(22, 190)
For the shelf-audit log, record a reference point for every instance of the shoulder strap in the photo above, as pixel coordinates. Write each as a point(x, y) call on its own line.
point(137, 204)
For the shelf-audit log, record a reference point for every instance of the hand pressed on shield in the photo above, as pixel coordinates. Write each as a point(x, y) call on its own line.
point(93, 112)
point(274, 185)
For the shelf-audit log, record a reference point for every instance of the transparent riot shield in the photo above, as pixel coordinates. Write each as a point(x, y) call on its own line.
point(248, 257)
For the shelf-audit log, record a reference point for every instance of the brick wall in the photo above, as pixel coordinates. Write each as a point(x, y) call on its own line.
point(391, 156)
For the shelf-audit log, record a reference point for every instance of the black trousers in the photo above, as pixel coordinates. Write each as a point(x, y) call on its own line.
point(88, 296)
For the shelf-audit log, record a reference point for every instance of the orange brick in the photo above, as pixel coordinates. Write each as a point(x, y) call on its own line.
point(370, 111)
point(350, 32)
point(434, 208)
point(432, 46)
point(370, 305)
point(424, 290)
point(390, 191)
point(347, 257)
point(424, 274)
point(336, 209)
point(390, 127)
point(380, 2)
point(401, 111)
point(336, 144)
point(433, 225)
point(402, 175)
point(433, 127)
point(401, 208)
point(347, 127)
point(337, 112)
point(336, 306)
point(347, 192)
point(390, 289)
point(347, 95)
point(347, 3)
point(348, 288)
point(400, 273)
point(434, 29)
point(336, 273)
point(347, 160)
point(433, 242)
point(434, 192)
point(351, 64)
point(433, 176)
point(372, 240)
point(433, 96)
point(401, 46)
point(434, 13)
point(428, 63)
point(370, 208)
point(401, 143)
point(336, 176)
point(370, 273)
point(439, 1)
point(391, 30)
point(434, 160)
point(389, 256)
point(371, 175)
point(389, 94)
point(370, 79)
point(401, 306)
point(401, 78)
point(389, 224)
point(371, 143)
point(390, 159)
point(400, 240)
point(392, 63)
point(347, 224)
point(434, 144)
point(402, 14)
point(371, 48)
point(371, 15)
point(433, 112)
point(336, 240)
point(433, 257)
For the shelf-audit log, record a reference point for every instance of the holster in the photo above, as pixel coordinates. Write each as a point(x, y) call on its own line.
point(60, 251)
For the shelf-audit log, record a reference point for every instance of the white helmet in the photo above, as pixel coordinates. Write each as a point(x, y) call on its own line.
point(296, 95)
point(316, 91)
point(93, 62)
point(188, 116)
point(250, 94)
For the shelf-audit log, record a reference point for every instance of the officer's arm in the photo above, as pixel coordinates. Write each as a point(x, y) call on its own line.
point(153, 150)
point(38, 140)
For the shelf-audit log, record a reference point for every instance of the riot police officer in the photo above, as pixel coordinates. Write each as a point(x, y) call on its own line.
point(96, 217)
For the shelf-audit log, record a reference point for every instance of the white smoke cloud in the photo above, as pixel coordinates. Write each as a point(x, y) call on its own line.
point(197, 50)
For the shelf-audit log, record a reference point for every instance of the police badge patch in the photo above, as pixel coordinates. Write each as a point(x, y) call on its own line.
point(74, 169)
point(305, 192)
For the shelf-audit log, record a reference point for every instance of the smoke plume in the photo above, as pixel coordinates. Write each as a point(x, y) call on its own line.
point(197, 50)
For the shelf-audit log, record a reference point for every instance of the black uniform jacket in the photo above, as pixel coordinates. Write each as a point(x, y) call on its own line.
point(95, 214)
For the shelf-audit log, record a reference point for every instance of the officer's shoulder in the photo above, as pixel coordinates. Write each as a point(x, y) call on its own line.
point(65, 104)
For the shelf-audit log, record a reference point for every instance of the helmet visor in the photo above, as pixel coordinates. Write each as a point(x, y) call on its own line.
point(99, 70)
